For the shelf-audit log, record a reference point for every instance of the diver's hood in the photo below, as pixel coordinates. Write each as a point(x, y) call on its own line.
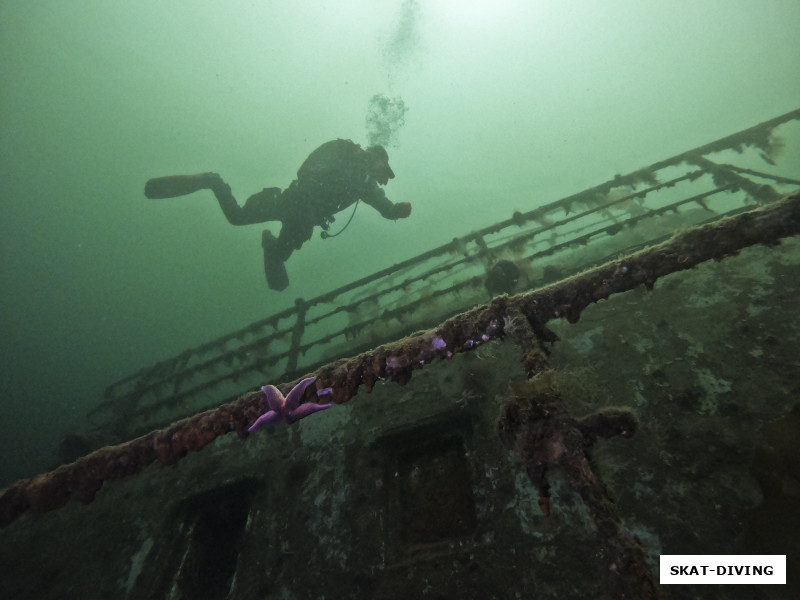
point(381, 153)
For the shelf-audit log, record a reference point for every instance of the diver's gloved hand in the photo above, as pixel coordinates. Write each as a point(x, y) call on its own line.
point(402, 210)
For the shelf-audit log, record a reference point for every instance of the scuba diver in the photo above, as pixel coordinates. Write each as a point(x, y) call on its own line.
point(336, 175)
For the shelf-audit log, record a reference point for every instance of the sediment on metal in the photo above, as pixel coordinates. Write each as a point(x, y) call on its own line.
point(552, 241)
point(397, 361)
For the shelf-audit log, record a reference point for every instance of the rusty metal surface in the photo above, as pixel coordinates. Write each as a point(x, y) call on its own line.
point(546, 244)
point(397, 361)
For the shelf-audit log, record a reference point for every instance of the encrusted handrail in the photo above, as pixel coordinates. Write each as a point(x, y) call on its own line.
point(397, 361)
point(425, 289)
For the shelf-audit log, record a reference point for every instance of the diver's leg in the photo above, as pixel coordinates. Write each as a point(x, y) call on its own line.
point(294, 233)
point(257, 209)
point(266, 205)
point(278, 250)
point(263, 206)
point(230, 208)
point(274, 267)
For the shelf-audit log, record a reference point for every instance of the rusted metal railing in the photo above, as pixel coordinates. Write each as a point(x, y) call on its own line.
point(542, 245)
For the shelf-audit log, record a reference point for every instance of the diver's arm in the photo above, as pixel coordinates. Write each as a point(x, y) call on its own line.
point(377, 199)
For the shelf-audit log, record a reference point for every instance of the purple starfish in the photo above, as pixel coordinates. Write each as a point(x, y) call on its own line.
point(289, 408)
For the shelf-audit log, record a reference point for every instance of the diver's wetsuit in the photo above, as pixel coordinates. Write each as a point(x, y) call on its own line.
point(333, 177)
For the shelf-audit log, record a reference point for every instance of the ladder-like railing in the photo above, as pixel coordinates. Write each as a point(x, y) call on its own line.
point(525, 251)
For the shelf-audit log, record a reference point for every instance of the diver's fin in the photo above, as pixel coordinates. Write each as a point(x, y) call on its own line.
point(274, 267)
point(173, 186)
point(277, 278)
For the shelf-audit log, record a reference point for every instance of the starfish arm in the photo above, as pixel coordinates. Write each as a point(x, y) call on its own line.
point(304, 410)
point(268, 417)
point(275, 399)
point(294, 397)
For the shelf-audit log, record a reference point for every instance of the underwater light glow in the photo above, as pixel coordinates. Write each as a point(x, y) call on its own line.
point(482, 15)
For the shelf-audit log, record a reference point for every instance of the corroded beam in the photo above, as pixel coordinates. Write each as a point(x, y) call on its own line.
point(397, 361)
point(535, 425)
